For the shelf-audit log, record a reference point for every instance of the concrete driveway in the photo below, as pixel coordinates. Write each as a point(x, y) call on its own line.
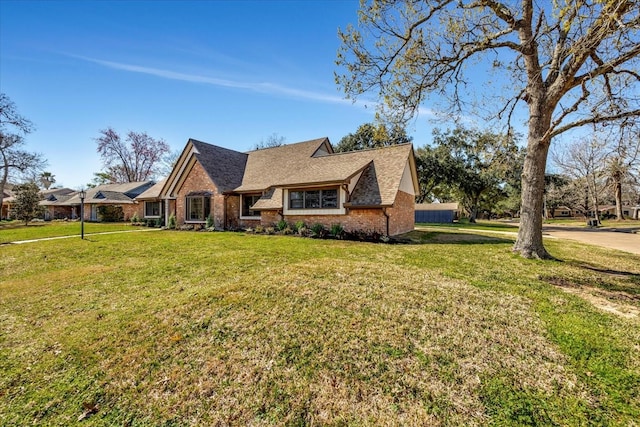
point(624, 239)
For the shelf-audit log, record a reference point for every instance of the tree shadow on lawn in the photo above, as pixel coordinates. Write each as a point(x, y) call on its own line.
point(418, 237)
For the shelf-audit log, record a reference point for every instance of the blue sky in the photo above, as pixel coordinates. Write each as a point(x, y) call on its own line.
point(230, 73)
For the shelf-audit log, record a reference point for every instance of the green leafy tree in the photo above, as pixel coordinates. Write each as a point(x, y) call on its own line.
point(27, 202)
point(370, 135)
point(557, 65)
point(13, 157)
point(473, 165)
point(100, 178)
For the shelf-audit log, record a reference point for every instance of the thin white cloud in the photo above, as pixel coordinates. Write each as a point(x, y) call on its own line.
point(270, 88)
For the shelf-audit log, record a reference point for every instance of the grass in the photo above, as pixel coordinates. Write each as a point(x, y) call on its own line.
point(186, 328)
point(16, 230)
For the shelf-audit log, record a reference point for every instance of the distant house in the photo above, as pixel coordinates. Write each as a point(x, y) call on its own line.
point(7, 201)
point(111, 201)
point(370, 190)
point(437, 212)
point(562, 212)
point(152, 204)
point(54, 203)
point(610, 211)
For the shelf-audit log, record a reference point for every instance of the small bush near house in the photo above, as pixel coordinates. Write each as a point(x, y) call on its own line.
point(364, 236)
point(270, 230)
point(259, 229)
point(303, 231)
point(134, 218)
point(337, 230)
point(209, 222)
point(172, 222)
point(287, 230)
point(298, 225)
point(281, 225)
point(111, 213)
point(318, 230)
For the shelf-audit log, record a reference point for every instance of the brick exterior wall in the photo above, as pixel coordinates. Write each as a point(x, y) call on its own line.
point(401, 218)
point(402, 214)
point(196, 181)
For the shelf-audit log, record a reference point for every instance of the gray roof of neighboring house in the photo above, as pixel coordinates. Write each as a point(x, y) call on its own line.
point(152, 192)
point(121, 193)
point(225, 167)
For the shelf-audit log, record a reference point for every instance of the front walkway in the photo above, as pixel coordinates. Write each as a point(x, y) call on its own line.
point(19, 242)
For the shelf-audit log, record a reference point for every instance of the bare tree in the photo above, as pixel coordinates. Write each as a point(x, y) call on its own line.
point(273, 140)
point(13, 157)
point(622, 160)
point(585, 160)
point(136, 158)
point(572, 64)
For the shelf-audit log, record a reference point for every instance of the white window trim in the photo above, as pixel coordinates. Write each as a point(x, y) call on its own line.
point(256, 217)
point(340, 210)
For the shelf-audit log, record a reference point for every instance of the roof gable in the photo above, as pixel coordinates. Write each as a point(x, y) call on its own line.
point(224, 167)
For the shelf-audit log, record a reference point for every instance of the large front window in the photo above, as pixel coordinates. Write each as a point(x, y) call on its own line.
point(314, 199)
point(151, 209)
point(249, 200)
point(197, 208)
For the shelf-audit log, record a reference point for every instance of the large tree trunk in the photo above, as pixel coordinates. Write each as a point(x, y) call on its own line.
point(529, 243)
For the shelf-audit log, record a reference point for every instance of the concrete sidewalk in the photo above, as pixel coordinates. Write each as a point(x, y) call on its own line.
point(19, 242)
point(621, 239)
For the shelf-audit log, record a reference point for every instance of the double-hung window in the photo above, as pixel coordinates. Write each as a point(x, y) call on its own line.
point(326, 198)
point(198, 208)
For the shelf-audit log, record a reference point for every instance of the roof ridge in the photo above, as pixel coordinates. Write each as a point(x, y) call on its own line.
point(368, 149)
point(318, 140)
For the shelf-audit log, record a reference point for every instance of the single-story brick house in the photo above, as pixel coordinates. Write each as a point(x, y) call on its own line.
point(54, 201)
point(369, 190)
point(116, 198)
point(152, 204)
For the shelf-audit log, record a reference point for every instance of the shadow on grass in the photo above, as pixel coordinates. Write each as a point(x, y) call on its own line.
point(418, 237)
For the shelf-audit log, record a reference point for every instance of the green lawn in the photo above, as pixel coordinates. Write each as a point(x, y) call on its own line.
point(16, 230)
point(194, 328)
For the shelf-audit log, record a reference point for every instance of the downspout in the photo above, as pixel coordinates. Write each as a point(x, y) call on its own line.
point(384, 211)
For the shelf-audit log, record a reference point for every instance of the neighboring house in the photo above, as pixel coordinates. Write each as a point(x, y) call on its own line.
point(562, 212)
point(609, 211)
point(7, 201)
point(369, 190)
point(152, 204)
point(54, 203)
point(437, 212)
point(112, 200)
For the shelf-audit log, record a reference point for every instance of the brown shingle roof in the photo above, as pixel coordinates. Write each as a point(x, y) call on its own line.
point(225, 167)
point(382, 170)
